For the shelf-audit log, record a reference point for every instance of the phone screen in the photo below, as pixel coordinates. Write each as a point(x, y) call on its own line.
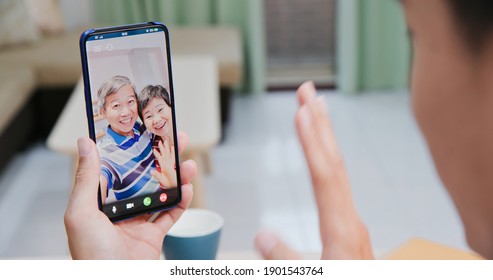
point(128, 80)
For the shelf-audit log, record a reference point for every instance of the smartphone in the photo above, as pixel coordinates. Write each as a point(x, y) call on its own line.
point(131, 116)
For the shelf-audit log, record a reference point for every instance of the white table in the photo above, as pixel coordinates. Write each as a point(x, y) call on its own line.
point(196, 84)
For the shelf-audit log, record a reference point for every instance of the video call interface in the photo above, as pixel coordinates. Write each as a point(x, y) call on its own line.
point(132, 111)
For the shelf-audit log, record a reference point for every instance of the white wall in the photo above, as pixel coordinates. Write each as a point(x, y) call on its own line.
point(142, 58)
point(77, 13)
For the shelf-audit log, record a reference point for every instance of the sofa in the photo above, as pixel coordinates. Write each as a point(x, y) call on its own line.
point(35, 81)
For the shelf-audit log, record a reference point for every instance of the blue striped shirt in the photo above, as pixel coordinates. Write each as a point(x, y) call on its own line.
point(126, 163)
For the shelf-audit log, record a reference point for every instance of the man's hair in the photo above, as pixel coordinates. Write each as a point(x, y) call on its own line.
point(110, 86)
point(150, 92)
point(474, 19)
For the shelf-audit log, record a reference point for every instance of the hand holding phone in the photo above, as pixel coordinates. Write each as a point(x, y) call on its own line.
point(130, 110)
point(91, 235)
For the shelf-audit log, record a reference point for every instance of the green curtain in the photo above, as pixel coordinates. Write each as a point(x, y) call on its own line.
point(246, 15)
point(373, 50)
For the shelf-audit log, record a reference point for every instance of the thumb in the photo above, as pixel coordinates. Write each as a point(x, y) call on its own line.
point(272, 247)
point(85, 191)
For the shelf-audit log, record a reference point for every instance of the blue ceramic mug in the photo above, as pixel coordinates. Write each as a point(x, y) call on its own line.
point(194, 237)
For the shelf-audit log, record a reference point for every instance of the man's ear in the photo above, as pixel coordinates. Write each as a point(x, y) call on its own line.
point(102, 111)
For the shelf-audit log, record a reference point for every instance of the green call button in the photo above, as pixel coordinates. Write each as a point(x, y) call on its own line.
point(147, 201)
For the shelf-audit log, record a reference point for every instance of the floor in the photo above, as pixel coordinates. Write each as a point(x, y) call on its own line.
point(260, 179)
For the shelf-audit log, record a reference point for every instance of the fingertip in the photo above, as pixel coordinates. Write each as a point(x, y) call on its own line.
point(87, 175)
point(265, 242)
point(84, 146)
point(272, 247)
point(182, 137)
point(182, 141)
point(191, 163)
point(188, 170)
point(306, 92)
point(88, 154)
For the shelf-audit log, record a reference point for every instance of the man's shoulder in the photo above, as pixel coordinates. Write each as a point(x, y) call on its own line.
point(106, 144)
point(146, 136)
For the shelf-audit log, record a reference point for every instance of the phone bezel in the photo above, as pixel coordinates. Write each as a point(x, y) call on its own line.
point(89, 110)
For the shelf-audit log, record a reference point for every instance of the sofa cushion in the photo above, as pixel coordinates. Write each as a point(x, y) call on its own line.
point(55, 59)
point(17, 84)
point(222, 43)
point(46, 15)
point(15, 25)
